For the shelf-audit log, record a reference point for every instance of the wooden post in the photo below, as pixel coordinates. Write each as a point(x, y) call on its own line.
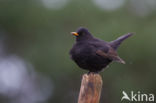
point(90, 90)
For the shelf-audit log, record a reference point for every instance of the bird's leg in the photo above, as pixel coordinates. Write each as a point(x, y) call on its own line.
point(97, 72)
point(88, 73)
point(93, 72)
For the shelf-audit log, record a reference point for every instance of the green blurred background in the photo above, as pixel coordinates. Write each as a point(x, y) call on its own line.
point(35, 66)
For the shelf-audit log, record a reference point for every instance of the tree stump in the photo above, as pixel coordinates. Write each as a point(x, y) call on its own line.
point(90, 90)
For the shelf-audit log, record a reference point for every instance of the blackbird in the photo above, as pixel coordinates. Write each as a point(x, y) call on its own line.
point(93, 54)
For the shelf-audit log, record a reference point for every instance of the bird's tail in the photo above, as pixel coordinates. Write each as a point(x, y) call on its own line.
point(115, 44)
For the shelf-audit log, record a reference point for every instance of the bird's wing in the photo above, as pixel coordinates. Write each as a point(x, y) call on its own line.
point(111, 54)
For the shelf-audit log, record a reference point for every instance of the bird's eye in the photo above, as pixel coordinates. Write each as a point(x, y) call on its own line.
point(81, 33)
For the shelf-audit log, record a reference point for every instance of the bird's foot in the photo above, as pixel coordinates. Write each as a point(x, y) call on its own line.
point(92, 72)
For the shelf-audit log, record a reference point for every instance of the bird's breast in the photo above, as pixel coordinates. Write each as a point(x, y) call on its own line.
point(85, 56)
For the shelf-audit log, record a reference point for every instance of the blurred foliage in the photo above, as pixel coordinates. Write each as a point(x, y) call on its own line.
point(41, 36)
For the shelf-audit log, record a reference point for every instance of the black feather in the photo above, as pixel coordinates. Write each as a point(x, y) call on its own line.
point(94, 54)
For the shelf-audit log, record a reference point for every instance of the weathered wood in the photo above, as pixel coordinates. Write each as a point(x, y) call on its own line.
point(90, 90)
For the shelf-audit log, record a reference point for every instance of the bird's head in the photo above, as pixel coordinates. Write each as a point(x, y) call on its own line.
point(82, 34)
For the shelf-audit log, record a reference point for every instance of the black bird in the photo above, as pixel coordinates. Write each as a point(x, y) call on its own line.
point(94, 54)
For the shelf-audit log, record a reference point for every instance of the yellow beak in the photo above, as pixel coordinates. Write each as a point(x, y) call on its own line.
point(75, 33)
